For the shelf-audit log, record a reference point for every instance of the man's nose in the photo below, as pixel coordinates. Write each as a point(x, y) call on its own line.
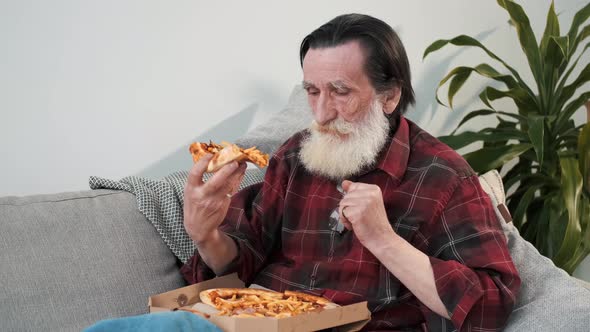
point(324, 112)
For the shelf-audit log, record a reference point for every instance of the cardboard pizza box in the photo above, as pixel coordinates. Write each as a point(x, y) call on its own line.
point(345, 318)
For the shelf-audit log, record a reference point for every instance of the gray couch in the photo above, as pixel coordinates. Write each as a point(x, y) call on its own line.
point(71, 259)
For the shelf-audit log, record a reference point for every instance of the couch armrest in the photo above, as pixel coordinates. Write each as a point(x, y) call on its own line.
point(71, 259)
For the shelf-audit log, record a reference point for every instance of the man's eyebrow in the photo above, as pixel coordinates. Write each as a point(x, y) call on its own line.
point(307, 85)
point(340, 85)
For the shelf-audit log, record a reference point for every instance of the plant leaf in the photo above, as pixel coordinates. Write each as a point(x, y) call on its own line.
point(557, 224)
point(461, 70)
point(527, 39)
point(503, 126)
point(584, 247)
point(488, 71)
point(551, 28)
point(569, 110)
point(519, 97)
point(456, 83)
point(565, 77)
point(524, 203)
point(435, 46)
point(522, 177)
point(555, 61)
point(462, 73)
point(521, 169)
point(571, 188)
point(486, 159)
point(483, 96)
point(484, 112)
point(583, 35)
point(568, 91)
point(464, 40)
point(543, 234)
point(580, 17)
point(488, 135)
point(584, 156)
point(537, 135)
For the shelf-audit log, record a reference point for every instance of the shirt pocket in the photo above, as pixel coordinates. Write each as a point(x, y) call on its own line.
point(406, 226)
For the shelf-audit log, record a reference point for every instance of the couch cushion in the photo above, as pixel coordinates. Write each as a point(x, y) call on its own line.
point(549, 299)
point(71, 259)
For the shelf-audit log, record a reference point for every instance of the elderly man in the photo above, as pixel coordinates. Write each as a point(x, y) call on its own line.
point(363, 205)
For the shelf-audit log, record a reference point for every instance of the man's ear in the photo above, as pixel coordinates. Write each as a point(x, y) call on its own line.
point(391, 99)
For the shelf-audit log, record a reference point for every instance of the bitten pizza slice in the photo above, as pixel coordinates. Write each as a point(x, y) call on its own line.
point(225, 153)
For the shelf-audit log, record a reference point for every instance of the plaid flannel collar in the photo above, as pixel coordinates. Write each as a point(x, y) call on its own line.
point(394, 159)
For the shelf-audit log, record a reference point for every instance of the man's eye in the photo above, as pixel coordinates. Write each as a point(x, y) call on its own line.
point(312, 92)
point(342, 92)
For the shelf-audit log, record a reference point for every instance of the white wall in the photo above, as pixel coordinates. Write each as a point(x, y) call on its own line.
point(116, 88)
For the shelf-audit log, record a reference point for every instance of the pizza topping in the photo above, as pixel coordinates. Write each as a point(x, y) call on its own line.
point(261, 303)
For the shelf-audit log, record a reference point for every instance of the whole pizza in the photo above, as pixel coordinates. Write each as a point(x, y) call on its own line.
point(250, 302)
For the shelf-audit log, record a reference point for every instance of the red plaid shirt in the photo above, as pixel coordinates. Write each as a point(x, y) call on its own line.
point(433, 200)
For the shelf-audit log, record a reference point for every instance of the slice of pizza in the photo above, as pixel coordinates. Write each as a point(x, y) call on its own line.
point(225, 153)
point(249, 302)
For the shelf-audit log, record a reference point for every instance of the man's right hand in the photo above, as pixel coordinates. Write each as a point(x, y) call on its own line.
point(206, 203)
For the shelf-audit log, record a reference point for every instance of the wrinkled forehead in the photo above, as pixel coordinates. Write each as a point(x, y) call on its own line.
point(329, 66)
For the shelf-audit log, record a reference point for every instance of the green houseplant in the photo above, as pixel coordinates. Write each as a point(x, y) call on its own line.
point(544, 158)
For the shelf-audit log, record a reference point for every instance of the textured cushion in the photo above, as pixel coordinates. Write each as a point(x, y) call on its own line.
point(162, 201)
point(549, 299)
point(71, 259)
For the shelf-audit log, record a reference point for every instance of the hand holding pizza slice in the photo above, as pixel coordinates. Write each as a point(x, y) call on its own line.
point(225, 153)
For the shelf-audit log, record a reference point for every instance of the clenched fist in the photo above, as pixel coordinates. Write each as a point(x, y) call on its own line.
point(362, 211)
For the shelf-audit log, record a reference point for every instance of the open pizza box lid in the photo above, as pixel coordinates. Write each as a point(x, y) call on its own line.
point(345, 318)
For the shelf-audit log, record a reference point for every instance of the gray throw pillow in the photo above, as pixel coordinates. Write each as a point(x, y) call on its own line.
point(162, 201)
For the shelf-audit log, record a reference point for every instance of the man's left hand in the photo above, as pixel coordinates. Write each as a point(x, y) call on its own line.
point(362, 211)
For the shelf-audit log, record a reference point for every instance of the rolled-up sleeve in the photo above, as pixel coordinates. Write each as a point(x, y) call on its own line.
point(474, 273)
point(252, 221)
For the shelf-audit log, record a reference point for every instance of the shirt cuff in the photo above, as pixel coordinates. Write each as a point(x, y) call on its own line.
point(235, 265)
point(195, 270)
point(458, 287)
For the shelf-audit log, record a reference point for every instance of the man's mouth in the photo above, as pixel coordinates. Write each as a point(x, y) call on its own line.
point(331, 131)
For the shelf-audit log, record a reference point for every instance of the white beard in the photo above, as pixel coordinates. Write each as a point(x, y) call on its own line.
point(341, 149)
